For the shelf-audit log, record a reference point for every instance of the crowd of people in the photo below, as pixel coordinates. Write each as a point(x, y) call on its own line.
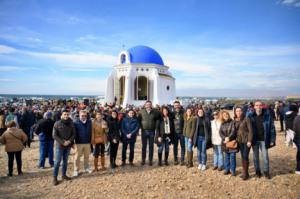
point(91, 129)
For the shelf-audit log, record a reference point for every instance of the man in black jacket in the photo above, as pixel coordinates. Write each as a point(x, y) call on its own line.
point(64, 135)
point(149, 121)
point(264, 137)
point(44, 130)
point(296, 128)
point(178, 136)
point(27, 120)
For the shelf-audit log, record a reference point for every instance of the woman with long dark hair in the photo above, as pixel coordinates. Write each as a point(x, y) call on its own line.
point(202, 138)
point(164, 135)
point(243, 128)
point(188, 132)
point(113, 137)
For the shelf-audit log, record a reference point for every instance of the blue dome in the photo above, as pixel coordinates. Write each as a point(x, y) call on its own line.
point(144, 54)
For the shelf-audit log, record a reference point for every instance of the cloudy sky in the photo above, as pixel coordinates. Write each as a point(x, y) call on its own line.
point(214, 48)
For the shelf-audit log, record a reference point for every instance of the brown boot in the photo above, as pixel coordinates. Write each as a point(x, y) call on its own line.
point(247, 169)
point(103, 162)
point(245, 165)
point(189, 159)
point(95, 164)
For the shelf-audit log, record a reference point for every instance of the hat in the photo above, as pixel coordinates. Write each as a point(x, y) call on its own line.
point(48, 114)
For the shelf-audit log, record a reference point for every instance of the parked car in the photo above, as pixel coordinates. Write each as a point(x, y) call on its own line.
point(227, 106)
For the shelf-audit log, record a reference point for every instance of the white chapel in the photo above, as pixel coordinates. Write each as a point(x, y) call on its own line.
point(140, 75)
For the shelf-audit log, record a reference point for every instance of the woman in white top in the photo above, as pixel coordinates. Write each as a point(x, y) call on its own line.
point(217, 142)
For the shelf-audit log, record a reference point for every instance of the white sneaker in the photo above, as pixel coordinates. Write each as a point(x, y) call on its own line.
point(76, 173)
point(297, 172)
point(88, 170)
point(203, 167)
point(199, 166)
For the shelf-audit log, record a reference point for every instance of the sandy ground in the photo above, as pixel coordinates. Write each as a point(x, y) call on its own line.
point(154, 182)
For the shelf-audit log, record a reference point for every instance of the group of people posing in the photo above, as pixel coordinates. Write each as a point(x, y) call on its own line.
point(190, 128)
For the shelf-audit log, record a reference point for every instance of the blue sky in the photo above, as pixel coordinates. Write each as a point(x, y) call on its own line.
point(214, 48)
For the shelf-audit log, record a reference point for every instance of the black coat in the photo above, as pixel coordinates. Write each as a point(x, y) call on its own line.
point(227, 129)
point(269, 128)
point(296, 128)
point(64, 130)
point(160, 131)
point(26, 121)
point(114, 129)
point(45, 127)
point(289, 119)
point(178, 121)
point(149, 122)
point(207, 132)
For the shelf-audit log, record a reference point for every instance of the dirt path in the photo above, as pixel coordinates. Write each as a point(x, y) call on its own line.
point(154, 182)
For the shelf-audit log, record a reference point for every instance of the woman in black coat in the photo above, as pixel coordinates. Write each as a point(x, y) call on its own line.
point(164, 135)
point(113, 137)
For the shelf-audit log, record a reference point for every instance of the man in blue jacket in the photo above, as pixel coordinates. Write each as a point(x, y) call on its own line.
point(83, 128)
point(264, 137)
point(129, 129)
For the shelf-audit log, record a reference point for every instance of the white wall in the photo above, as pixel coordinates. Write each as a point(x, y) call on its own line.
point(160, 95)
point(166, 96)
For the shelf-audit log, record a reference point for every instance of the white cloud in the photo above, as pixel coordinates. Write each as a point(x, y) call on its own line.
point(7, 80)
point(288, 1)
point(88, 37)
point(78, 60)
point(75, 60)
point(190, 65)
point(14, 68)
point(21, 35)
point(6, 49)
point(295, 3)
point(197, 68)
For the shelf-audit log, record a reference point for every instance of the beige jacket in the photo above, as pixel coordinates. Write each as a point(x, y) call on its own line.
point(98, 131)
point(13, 139)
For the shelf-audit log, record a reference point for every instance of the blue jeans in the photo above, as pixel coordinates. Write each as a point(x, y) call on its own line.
point(218, 156)
point(260, 145)
point(61, 153)
point(179, 138)
point(124, 150)
point(46, 148)
point(164, 146)
point(201, 150)
point(230, 161)
point(147, 136)
point(244, 151)
point(188, 144)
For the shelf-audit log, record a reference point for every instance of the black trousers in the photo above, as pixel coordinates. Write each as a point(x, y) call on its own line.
point(99, 149)
point(113, 151)
point(281, 119)
point(11, 156)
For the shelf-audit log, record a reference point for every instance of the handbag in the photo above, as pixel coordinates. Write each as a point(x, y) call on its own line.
point(99, 140)
point(231, 144)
